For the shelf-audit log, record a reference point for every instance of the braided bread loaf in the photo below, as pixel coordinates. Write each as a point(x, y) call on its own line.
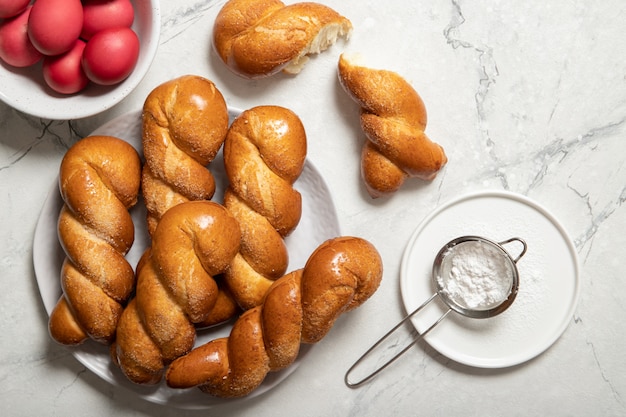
point(300, 307)
point(393, 118)
point(184, 124)
point(175, 288)
point(99, 182)
point(258, 38)
point(264, 154)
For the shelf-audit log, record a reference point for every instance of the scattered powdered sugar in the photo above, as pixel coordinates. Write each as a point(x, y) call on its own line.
point(476, 275)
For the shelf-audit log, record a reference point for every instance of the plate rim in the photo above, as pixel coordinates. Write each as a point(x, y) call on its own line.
point(565, 322)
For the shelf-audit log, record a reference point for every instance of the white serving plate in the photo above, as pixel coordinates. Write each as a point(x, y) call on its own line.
point(318, 223)
point(549, 282)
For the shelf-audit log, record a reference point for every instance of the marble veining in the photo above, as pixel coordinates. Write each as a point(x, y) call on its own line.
point(528, 97)
point(173, 24)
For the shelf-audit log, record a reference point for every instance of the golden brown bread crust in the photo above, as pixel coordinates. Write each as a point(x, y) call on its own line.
point(193, 242)
point(264, 154)
point(393, 118)
point(184, 124)
point(99, 181)
point(224, 309)
point(300, 307)
point(258, 38)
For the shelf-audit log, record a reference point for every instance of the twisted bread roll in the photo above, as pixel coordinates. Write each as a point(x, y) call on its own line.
point(301, 307)
point(99, 182)
point(264, 154)
point(258, 38)
point(175, 288)
point(184, 124)
point(393, 118)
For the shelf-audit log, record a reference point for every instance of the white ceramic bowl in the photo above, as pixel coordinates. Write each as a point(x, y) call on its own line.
point(25, 89)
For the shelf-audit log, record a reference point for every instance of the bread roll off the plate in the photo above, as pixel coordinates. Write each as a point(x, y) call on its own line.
point(99, 182)
point(258, 38)
point(393, 118)
point(300, 307)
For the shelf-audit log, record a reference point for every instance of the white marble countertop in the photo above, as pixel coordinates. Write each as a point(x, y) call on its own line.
point(527, 97)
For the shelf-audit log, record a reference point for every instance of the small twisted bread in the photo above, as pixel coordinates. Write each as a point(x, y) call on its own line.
point(258, 38)
point(393, 118)
point(184, 124)
point(175, 288)
point(99, 182)
point(301, 307)
point(264, 154)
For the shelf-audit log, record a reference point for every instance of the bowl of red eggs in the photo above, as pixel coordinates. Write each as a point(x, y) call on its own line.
point(69, 59)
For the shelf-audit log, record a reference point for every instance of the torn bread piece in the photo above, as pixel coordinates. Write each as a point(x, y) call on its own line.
point(258, 38)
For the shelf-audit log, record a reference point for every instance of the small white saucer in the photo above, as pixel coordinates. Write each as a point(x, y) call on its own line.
point(549, 283)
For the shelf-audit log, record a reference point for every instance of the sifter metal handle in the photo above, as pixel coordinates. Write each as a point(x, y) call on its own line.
point(390, 361)
point(516, 239)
